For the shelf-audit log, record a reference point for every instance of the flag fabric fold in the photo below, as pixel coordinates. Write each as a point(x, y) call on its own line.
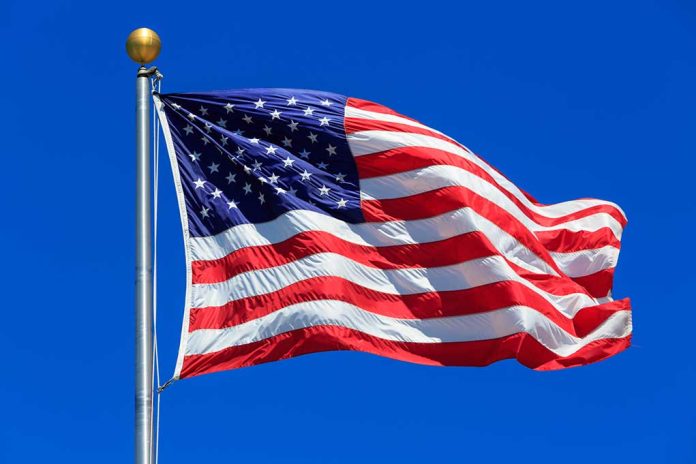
point(316, 222)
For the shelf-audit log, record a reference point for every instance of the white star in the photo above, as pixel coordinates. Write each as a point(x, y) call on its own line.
point(195, 156)
point(288, 162)
point(247, 119)
point(305, 175)
point(213, 167)
point(192, 116)
point(239, 132)
point(240, 151)
point(304, 154)
point(340, 177)
point(312, 137)
point(203, 110)
point(324, 121)
point(341, 203)
point(287, 142)
point(293, 125)
point(326, 102)
point(263, 180)
point(217, 193)
point(229, 107)
point(199, 183)
point(267, 130)
point(322, 165)
point(205, 140)
point(324, 190)
point(247, 188)
point(259, 104)
point(292, 191)
point(231, 204)
point(188, 129)
point(257, 165)
point(273, 179)
point(275, 114)
point(222, 123)
point(271, 150)
point(292, 101)
point(280, 190)
point(231, 178)
point(254, 140)
point(331, 149)
point(308, 111)
point(247, 169)
point(204, 212)
point(261, 198)
point(208, 127)
point(176, 106)
point(223, 139)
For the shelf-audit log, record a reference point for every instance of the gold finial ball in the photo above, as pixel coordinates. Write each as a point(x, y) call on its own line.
point(143, 45)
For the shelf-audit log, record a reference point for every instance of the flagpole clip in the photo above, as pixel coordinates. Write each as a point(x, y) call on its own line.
point(149, 72)
point(161, 388)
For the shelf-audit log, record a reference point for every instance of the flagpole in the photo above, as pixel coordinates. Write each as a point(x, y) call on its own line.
point(143, 46)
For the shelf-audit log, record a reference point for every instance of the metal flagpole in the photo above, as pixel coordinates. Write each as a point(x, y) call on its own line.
point(143, 46)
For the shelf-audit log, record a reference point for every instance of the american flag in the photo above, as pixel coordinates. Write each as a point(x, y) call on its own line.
point(316, 222)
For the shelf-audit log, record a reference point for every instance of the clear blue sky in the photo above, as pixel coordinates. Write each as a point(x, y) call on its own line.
point(595, 99)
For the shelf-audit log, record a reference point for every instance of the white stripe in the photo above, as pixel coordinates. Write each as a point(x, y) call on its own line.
point(472, 327)
point(409, 281)
point(368, 142)
point(391, 233)
point(439, 176)
point(586, 262)
point(352, 112)
point(374, 234)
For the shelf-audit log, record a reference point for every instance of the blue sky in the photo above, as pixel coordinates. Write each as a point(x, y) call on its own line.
point(569, 100)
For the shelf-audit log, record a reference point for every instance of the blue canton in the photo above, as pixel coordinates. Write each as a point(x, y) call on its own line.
point(248, 156)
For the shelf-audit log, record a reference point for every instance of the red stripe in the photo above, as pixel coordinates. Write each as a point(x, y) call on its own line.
point(598, 284)
point(353, 125)
point(453, 250)
point(374, 107)
point(527, 350)
point(567, 241)
point(415, 306)
point(409, 158)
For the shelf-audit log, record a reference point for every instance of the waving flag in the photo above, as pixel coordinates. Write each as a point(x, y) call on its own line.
point(316, 222)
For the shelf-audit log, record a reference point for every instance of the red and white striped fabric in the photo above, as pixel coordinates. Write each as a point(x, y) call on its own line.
point(454, 265)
